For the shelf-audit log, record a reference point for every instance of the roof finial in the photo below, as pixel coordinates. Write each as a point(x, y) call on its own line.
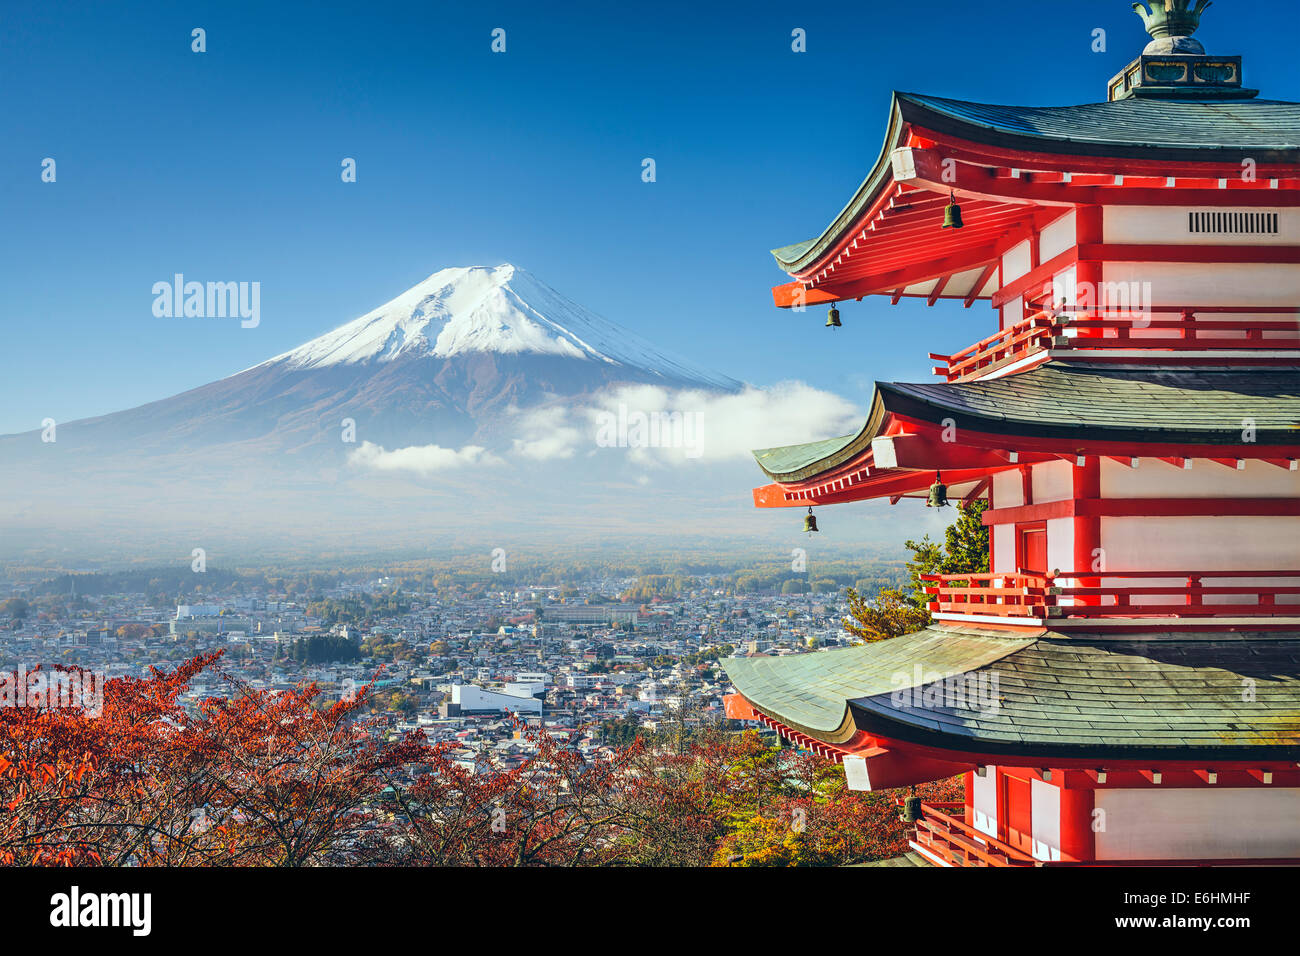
point(1171, 24)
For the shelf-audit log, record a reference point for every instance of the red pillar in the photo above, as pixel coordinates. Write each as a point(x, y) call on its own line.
point(969, 815)
point(1078, 841)
point(1087, 530)
point(1088, 275)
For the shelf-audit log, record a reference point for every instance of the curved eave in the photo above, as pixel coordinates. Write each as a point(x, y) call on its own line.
point(801, 255)
point(793, 463)
point(908, 110)
point(1038, 696)
point(1072, 405)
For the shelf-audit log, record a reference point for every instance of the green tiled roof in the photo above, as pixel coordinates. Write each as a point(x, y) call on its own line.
point(1232, 698)
point(1183, 405)
point(1076, 698)
point(1078, 401)
point(790, 458)
point(1267, 131)
point(810, 692)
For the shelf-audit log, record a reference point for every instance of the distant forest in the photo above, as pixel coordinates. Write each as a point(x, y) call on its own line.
point(654, 579)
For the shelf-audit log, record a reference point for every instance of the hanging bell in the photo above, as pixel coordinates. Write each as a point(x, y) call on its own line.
point(833, 318)
point(952, 213)
point(912, 809)
point(810, 522)
point(938, 494)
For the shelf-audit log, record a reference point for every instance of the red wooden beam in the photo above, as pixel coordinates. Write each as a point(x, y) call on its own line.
point(1036, 279)
point(925, 169)
point(1124, 449)
point(1122, 167)
point(910, 275)
point(1236, 464)
point(982, 281)
point(788, 295)
point(938, 288)
point(978, 490)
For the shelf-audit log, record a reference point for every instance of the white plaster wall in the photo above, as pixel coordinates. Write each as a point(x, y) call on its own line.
point(1202, 823)
point(1060, 545)
point(1167, 225)
point(1045, 823)
point(1205, 479)
point(1201, 543)
point(1008, 492)
point(1057, 236)
point(1209, 543)
point(1004, 548)
point(1201, 283)
point(1015, 262)
point(1012, 312)
point(984, 794)
point(1065, 286)
point(1052, 481)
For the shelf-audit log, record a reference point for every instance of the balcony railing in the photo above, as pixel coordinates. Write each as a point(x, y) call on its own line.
point(1062, 595)
point(1085, 334)
point(957, 843)
point(947, 837)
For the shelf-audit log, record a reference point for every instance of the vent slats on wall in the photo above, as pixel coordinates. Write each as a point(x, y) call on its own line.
point(1242, 223)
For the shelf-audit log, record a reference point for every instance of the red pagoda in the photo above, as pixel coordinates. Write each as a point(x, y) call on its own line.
point(1123, 686)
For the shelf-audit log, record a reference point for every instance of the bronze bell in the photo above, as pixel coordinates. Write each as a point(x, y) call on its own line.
point(833, 318)
point(911, 809)
point(952, 213)
point(810, 522)
point(938, 494)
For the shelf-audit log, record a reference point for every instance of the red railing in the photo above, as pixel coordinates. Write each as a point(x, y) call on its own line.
point(949, 838)
point(1089, 594)
point(1082, 332)
point(956, 842)
point(1014, 342)
point(999, 595)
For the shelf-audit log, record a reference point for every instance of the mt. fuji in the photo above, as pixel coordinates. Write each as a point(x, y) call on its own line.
point(444, 363)
point(508, 311)
point(480, 400)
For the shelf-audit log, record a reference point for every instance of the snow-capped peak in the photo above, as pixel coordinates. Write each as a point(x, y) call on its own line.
point(480, 309)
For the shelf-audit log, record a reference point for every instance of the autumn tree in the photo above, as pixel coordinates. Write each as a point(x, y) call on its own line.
point(891, 614)
point(965, 549)
point(555, 809)
point(255, 778)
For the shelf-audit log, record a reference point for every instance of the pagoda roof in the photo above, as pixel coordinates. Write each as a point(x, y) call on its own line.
point(809, 692)
point(1191, 131)
point(1074, 403)
point(1172, 129)
point(1164, 697)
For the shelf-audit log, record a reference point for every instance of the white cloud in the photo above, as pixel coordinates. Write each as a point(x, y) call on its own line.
point(654, 424)
point(650, 425)
point(546, 434)
point(422, 459)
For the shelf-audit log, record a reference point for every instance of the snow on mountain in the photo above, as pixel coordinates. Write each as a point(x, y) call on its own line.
point(503, 310)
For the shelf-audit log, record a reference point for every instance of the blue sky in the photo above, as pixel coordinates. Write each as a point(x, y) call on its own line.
point(225, 166)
